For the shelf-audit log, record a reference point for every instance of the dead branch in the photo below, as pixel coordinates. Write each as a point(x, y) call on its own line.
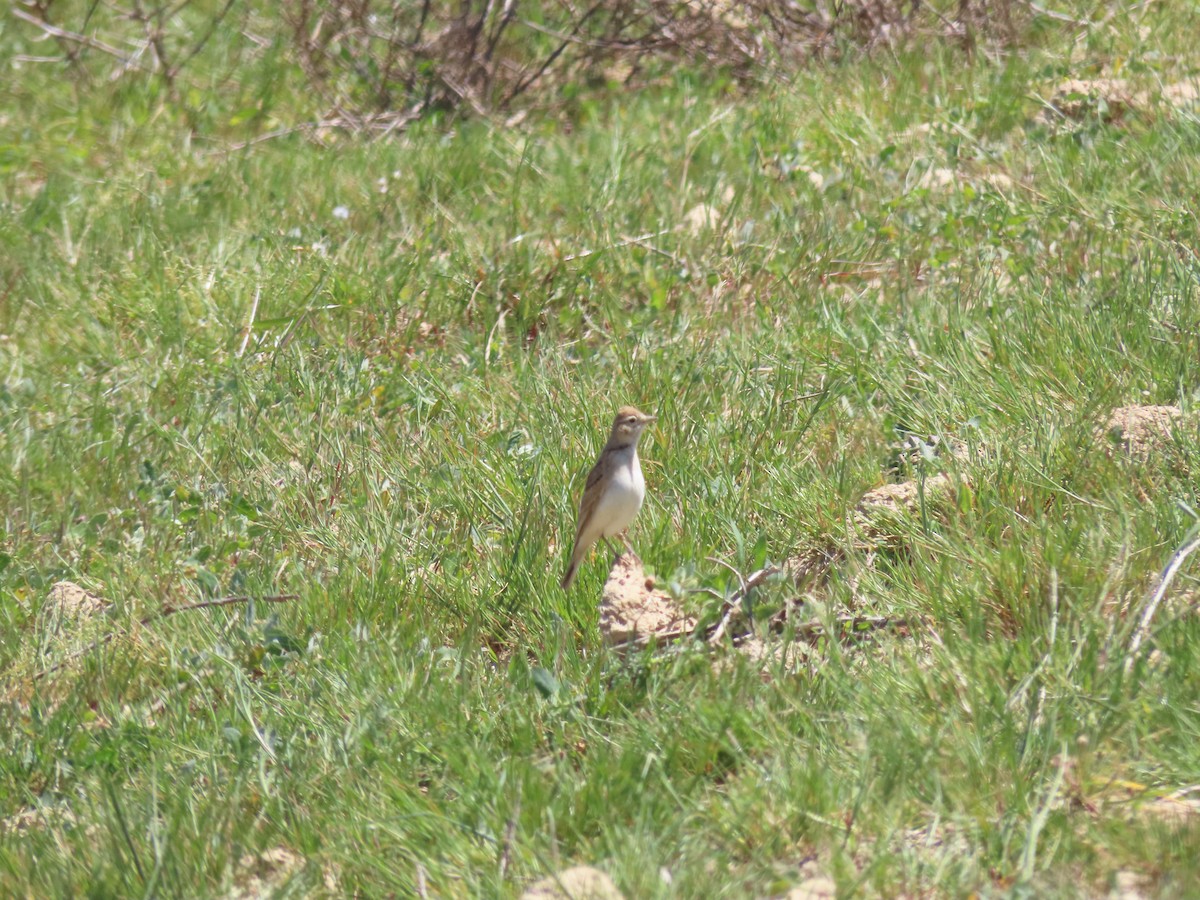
point(195, 49)
point(63, 35)
point(850, 626)
point(738, 597)
point(163, 613)
point(740, 629)
point(382, 124)
point(367, 58)
point(624, 242)
point(844, 627)
point(524, 83)
point(223, 601)
point(1164, 582)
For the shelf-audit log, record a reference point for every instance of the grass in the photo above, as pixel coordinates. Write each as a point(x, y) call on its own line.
point(439, 327)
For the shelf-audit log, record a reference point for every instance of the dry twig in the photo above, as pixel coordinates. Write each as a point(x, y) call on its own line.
point(63, 35)
point(162, 614)
point(738, 597)
point(848, 626)
point(1164, 582)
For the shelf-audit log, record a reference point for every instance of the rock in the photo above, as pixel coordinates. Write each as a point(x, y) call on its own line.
point(576, 883)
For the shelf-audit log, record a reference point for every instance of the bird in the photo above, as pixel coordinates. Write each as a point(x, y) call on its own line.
point(614, 491)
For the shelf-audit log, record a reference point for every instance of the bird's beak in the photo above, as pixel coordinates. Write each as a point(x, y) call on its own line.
point(650, 419)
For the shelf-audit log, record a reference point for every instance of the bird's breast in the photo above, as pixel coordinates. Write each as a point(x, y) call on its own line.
point(623, 499)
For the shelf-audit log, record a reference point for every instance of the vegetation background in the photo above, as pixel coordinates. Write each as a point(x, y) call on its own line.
point(327, 305)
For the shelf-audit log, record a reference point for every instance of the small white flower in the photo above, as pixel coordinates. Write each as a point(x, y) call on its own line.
point(341, 212)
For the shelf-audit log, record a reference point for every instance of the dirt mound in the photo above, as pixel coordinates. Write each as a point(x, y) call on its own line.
point(1142, 430)
point(632, 610)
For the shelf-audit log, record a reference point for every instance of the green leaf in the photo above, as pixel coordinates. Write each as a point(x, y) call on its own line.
point(545, 682)
point(239, 505)
point(210, 585)
point(279, 641)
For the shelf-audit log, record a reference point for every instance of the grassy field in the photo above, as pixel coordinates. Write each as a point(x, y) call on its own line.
point(373, 373)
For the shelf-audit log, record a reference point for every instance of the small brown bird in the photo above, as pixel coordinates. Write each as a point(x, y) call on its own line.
point(615, 488)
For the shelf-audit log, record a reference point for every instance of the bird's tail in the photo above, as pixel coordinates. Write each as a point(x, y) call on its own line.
point(578, 551)
point(569, 576)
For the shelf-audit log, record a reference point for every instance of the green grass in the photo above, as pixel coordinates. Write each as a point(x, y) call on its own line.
point(402, 444)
